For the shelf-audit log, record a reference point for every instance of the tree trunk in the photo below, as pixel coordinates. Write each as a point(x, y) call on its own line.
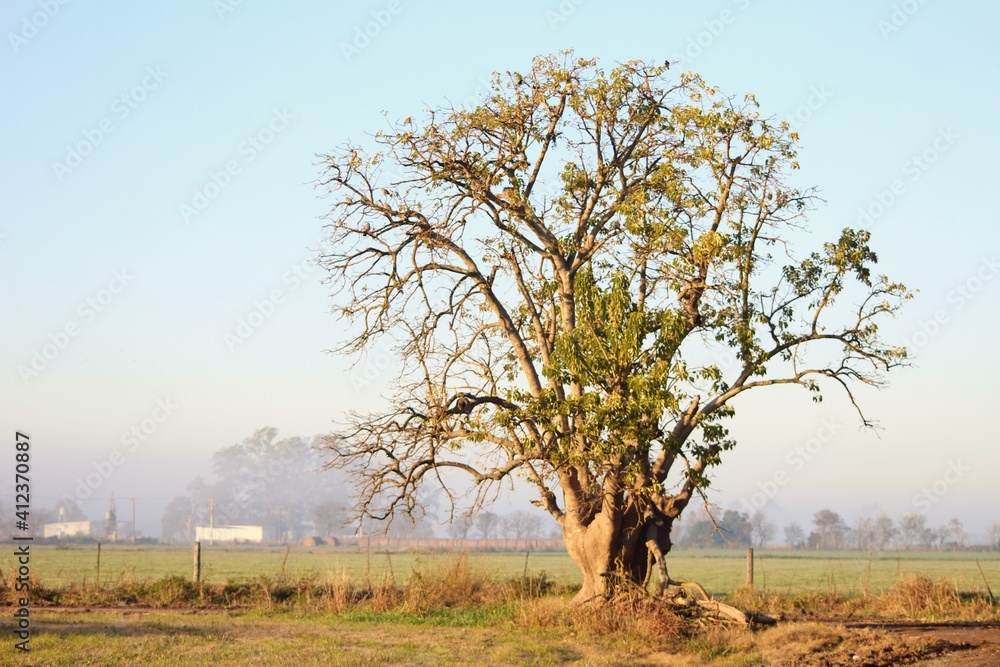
point(616, 555)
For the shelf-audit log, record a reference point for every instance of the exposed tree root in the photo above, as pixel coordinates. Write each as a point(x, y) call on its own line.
point(677, 594)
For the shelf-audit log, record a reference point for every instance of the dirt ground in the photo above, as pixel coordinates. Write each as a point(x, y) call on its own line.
point(979, 642)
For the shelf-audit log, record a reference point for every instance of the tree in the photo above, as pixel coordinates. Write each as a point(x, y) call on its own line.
point(580, 277)
point(993, 536)
point(933, 538)
point(955, 532)
point(487, 525)
point(883, 531)
point(913, 529)
point(460, 526)
point(761, 529)
point(265, 480)
point(732, 529)
point(40, 517)
point(864, 533)
point(735, 529)
point(327, 516)
point(701, 533)
point(521, 525)
point(795, 536)
point(178, 520)
point(68, 510)
point(831, 531)
point(874, 533)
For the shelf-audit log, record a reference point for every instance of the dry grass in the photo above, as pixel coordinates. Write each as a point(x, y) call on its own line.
point(454, 583)
point(917, 596)
point(631, 618)
point(458, 582)
point(435, 584)
point(913, 597)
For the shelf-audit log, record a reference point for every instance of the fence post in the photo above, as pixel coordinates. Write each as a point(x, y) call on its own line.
point(98, 564)
point(985, 581)
point(750, 568)
point(197, 562)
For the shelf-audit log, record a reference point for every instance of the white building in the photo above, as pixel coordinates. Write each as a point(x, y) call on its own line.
point(71, 528)
point(229, 534)
point(95, 529)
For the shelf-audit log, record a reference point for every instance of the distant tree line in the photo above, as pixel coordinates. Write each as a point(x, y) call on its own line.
point(281, 484)
point(831, 532)
point(519, 525)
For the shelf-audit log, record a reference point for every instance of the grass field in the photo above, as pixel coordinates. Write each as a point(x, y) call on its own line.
point(476, 610)
point(720, 571)
point(171, 639)
point(539, 632)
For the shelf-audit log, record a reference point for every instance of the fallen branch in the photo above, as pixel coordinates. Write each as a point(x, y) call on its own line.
point(720, 608)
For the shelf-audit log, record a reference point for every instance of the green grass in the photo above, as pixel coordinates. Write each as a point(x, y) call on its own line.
point(720, 571)
point(844, 572)
point(170, 639)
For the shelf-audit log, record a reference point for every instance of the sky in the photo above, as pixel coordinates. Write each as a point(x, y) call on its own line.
point(159, 222)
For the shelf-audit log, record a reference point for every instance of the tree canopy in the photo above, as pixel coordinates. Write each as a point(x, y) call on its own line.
point(580, 274)
point(263, 480)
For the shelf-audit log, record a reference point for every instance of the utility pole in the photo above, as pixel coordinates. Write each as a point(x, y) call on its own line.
point(111, 521)
point(211, 521)
point(132, 500)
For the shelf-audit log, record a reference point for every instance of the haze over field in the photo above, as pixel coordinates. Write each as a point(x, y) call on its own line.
point(159, 225)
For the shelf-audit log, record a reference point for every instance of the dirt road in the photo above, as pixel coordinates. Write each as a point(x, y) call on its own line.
point(982, 640)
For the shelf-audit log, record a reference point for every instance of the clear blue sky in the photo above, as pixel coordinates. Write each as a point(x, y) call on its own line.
point(161, 96)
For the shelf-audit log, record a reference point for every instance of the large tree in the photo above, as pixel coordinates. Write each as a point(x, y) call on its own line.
point(179, 520)
point(580, 275)
point(264, 480)
point(831, 531)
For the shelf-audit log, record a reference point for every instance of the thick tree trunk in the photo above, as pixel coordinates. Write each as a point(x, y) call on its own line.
point(592, 548)
point(615, 555)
